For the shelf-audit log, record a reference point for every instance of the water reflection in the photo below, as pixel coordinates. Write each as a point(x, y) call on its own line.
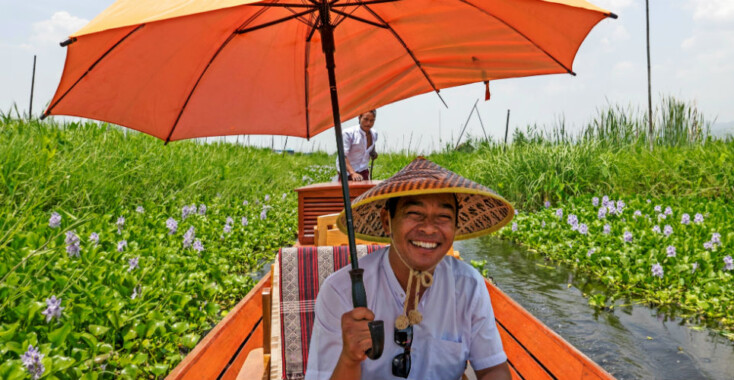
point(617, 340)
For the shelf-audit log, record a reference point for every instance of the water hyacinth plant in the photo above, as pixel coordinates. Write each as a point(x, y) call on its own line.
point(688, 267)
point(32, 361)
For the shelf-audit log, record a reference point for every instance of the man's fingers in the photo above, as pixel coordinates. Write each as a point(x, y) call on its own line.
point(361, 313)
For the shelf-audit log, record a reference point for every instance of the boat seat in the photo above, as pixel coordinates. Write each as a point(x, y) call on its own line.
point(300, 272)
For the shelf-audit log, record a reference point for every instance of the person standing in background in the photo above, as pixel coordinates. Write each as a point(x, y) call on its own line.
point(359, 147)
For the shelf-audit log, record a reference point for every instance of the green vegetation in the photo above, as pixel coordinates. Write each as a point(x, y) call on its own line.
point(135, 309)
point(133, 302)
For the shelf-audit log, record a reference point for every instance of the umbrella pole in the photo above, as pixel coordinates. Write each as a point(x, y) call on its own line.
point(359, 295)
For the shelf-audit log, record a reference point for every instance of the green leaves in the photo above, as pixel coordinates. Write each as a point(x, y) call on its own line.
point(694, 278)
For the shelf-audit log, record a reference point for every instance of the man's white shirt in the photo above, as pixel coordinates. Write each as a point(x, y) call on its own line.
point(356, 149)
point(458, 322)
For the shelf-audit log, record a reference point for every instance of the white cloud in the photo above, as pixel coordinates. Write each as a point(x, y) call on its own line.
point(713, 10)
point(615, 6)
point(623, 69)
point(56, 29)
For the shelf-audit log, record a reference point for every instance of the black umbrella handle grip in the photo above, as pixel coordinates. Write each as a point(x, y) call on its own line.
point(377, 328)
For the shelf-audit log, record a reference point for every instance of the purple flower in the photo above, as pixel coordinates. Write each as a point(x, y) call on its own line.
point(94, 238)
point(547, 204)
point(53, 308)
point(621, 204)
point(55, 220)
point(244, 221)
point(202, 209)
point(267, 197)
point(657, 270)
point(516, 212)
point(172, 226)
point(685, 219)
point(698, 218)
point(636, 214)
point(71, 238)
point(132, 264)
point(668, 230)
point(264, 214)
point(661, 217)
point(227, 228)
point(716, 238)
point(514, 227)
point(670, 251)
point(627, 236)
point(708, 245)
point(542, 224)
point(187, 210)
point(120, 223)
point(198, 246)
point(572, 219)
point(607, 229)
point(140, 210)
point(189, 237)
point(229, 220)
point(583, 229)
point(602, 213)
point(658, 208)
point(32, 361)
point(595, 201)
point(591, 252)
point(245, 202)
point(559, 213)
point(284, 196)
point(604, 199)
point(668, 211)
point(121, 245)
point(728, 262)
point(695, 266)
point(656, 229)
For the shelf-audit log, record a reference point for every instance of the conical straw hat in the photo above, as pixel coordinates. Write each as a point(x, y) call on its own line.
point(481, 210)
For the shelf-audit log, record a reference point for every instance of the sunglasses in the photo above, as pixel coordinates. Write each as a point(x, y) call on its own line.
point(401, 362)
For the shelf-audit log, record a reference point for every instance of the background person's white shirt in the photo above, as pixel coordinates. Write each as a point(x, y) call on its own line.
point(458, 322)
point(356, 149)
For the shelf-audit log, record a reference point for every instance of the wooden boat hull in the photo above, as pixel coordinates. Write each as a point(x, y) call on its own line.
point(534, 351)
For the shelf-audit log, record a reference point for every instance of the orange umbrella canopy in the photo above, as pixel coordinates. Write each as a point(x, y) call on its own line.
point(179, 69)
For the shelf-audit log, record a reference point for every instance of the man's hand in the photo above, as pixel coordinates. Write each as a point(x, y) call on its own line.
point(355, 341)
point(356, 177)
point(373, 155)
point(356, 337)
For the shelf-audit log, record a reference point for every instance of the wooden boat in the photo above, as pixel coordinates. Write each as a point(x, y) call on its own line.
point(247, 343)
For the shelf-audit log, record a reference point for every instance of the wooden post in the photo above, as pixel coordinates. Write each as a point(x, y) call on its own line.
point(482, 124)
point(507, 126)
point(649, 86)
point(33, 84)
point(465, 125)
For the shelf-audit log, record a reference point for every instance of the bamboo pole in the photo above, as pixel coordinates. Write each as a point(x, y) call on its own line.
point(649, 85)
point(33, 84)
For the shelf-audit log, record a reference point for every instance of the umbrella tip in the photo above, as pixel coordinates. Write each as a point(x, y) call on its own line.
point(612, 15)
point(68, 42)
point(43, 116)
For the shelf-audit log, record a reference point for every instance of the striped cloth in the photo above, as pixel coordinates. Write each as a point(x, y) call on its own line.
point(302, 271)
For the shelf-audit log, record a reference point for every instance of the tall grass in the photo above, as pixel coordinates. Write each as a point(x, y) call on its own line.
point(91, 167)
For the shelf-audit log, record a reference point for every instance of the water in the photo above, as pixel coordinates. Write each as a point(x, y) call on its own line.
point(616, 340)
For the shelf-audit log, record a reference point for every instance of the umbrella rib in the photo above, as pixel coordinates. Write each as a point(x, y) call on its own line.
point(568, 70)
point(51, 107)
point(216, 54)
point(295, 15)
point(353, 17)
point(410, 52)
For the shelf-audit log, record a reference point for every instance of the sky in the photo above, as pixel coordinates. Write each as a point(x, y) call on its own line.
point(692, 53)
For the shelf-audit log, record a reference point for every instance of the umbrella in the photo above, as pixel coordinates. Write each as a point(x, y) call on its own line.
point(180, 69)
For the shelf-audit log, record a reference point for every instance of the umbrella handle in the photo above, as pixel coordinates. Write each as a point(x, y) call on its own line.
point(377, 328)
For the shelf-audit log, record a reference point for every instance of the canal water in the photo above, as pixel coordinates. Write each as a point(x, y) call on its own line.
point(630, 342)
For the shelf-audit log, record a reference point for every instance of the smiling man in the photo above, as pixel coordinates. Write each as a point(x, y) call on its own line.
point(436, 309)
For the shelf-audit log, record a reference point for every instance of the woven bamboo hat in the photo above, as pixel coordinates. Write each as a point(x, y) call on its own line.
point(481, 210)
